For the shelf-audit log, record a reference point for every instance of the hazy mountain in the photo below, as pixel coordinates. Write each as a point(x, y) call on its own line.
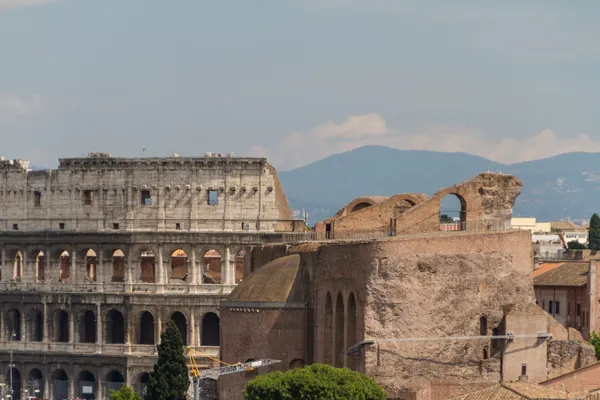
point(566, 185)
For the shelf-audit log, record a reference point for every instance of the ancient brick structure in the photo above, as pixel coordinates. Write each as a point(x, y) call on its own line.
point(315, 301)
point(97, 256)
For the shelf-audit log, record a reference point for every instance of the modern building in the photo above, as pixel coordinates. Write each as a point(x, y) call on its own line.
point(98, 255)
point(530, 224)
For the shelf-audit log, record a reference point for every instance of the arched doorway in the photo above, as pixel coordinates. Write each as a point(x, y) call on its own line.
point(60, 326)
point(181, 324)
point(13, 325)
point(211, 330)
point(114, 381)
point(35, 383)
point(453, 213)
point(36, 326)
point(86, 385)
point(60, 384)
point(147, 328)
point(13, 379)
point(339, 332)
point(87, 327)
point(115, 327)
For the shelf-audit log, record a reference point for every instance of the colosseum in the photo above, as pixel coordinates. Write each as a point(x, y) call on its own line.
point(98, 255)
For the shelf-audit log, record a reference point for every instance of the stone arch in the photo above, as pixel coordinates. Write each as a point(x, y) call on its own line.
point(240, 265)
point(115, 327)
point(13, 324)
point(114, 380)
point(35, 328)
point(65, 266)
point(147, 328)
point(453, 212)
point(86, 385)
point(118, 266)
point(60, 326)
point(297, 363)
point(87, 326)
point(40, 266)
point(328, 325)
point(351, 329)
point(35, 383)
point(60, 384)
point(179, 264)
point(212, 267)
point(181, 323)
point(211, 330)
point(360, 206)
point(339, 332)
point(147, 266)
point(17, 385)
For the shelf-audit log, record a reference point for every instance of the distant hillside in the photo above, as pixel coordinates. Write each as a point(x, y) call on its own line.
point(566, 185)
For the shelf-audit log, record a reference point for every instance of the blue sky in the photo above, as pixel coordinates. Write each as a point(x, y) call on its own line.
point(297, 80)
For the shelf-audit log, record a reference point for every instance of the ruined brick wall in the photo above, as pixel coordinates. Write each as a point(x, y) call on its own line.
point(107, 193)
point(585, 379)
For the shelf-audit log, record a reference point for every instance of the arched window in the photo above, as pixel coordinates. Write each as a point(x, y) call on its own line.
point(91, 260)
point(118, 266)
point(60, 326)
point(35, 383)
point(211, 330)
point(181, 324)
point(147, 266)
point(36, 326)
point(60, 384)
point(147, 328)
point(86, 387)
point(65, 266)
point(87, 327)
point(40, 267)
point(18, 266)
point(212, 267)
point(115, 327)
point(16, 381)
point(453, 213)
point(179, 265)
point(114, 380)
point(13, 325)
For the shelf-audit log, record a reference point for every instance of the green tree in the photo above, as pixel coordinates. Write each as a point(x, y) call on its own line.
point(314, 382)
point(445, 219)
point(575, 245)
point(169, 379)
point(594, 233)
point(125, 393)
point(595, 341)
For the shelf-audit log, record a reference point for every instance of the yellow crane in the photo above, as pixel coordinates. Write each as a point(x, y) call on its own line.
point(214, 373)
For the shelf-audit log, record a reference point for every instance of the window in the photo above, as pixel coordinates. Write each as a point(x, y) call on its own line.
point(87, 197)
point(524, 370)
point(557, 308)
point(550, 307)
point(177, 225)
point(146, 198)
point(245, 226)
point(578, 309)
point(37, 199)
point(115, 225)
point(15, 227)
point(61, 226)
point(213, 197)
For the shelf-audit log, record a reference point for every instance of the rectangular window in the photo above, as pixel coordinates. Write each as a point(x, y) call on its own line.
point(146, 198)
point(524, 370)
point(177, 225)
point(550, 307)
point(115, 225)
point(37, 199)
point(61, 226)
point(16, 227)
point(213, 198)
point(557, 307)
point(87, 197)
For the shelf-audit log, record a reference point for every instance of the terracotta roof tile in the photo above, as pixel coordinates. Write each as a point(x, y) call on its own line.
point(567, 274)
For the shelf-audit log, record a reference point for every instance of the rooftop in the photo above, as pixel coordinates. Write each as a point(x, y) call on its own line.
point(565, 274)
point(519, 391)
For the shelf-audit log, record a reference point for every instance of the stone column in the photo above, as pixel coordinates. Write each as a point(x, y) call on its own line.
point(73, 255)
point(23, 327)
point(99, 326)
point(191, 334)
point(129, 266)
point(100, 267)
point(226, 267)
point(71, 390)
point(158, 327)
point(99, 384)
point(71, 328)
point(161, 267)
point(47, 377)
point(194, 266)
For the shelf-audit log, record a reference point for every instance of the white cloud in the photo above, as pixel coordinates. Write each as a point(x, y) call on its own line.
point(297, 149)
point(12, 105)
point(6, 4)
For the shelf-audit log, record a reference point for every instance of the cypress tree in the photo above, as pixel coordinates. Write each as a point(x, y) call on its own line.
point(169, 379)
point(594, 233)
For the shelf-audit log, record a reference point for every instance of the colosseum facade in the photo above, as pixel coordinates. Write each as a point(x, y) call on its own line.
point(99, 254)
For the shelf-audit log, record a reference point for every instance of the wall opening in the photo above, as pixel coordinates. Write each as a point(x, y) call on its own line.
point(453, 213)
point(91, 260)
point(351, 329)
point(115, 327)
point(213, 197)
point(360, 206)
point(339, 332)
point(36, 329)
point(145, 198)
point(147, 266)
point(87, 327)
point(114, 380)
point(35, 383)
point(18, 267)
point(147, 328)
point(37, 199)
point(87, 197)
point(16, 382)
point(60, 384)
point(211, 330)
point(483, 326)
point(328, 342)
point(118, 266)
point(13, 325)
point(240, 265)
point(60, 326)
point(65, 266)
point(40, 267)
point(212, 267)
point(181, 324)
point(179, 265)
point(86, 385)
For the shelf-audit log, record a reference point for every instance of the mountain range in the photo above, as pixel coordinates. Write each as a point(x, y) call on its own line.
point(555, 188)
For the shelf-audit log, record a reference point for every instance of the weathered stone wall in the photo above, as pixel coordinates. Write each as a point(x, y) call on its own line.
point(567, 355)
point(582, 380)
point(107, 193)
